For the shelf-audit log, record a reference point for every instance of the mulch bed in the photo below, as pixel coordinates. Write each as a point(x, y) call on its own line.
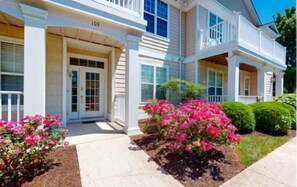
point(211, 169)
point(291, 134)
point(62, 171)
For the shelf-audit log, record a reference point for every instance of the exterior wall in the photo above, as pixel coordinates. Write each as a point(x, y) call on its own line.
point(11, 31)
point(54, 64)
point(269, 85)
point(120, 71)
point(203, 18)
point(190, 71)
point(238, 6)
point(191, 32)
point(168, 45)
point(204, 65)
point(253, 82)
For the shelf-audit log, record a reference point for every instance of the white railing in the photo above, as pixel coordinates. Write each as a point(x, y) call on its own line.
point(133, 5)
point(246, 34)
point(247, 99)
point(119, 113)
point(12, 110)
point(216, 98)
point(222, 32)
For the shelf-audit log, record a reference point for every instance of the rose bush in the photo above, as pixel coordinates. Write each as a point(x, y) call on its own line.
point(24, 146)
point(197, 126)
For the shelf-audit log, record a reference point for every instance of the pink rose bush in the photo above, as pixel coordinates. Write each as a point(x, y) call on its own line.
point(196, 126)
point(25, 145)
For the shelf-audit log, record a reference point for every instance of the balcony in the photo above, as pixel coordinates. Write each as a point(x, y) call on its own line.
point(135, 7)
point(243, 35)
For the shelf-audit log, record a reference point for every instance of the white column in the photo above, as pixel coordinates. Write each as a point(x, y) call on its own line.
point(132, 86)
point(34, 60)
point(197, 72)
point(261, 85)
point(279, 84)
point(233, 78)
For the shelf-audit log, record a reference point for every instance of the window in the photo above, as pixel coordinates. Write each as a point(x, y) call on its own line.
point(246, 85)
point(215, 82)
point(216, 29)
point(12, 69)
point(156, 15)
point(151, 79)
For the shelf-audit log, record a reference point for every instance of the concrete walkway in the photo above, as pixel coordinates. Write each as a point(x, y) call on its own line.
point(278, 169)
point(108, 158)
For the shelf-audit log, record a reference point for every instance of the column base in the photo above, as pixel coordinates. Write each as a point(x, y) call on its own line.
point(132, 131)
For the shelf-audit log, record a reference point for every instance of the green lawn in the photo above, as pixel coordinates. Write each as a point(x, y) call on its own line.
point(253, 148)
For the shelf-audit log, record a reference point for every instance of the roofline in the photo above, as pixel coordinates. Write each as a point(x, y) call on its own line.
point(253, 12)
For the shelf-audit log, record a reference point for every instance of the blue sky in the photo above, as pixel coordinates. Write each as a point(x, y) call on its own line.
point(267, 8)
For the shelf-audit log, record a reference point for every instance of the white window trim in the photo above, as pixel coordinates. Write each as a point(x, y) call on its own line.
point(155, 22)
point(154, 65)
point(16, 41)
point(216, 71)
point(249, 86)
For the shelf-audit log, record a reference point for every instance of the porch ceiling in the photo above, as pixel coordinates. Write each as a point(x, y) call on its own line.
point(10, 20)
point(86, 35)
point(221, 60)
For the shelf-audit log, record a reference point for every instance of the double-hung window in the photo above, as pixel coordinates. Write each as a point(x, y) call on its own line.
point(215, 29)
point(11, 69)
point(156, 15)
point(215, 82)
point(151, 79)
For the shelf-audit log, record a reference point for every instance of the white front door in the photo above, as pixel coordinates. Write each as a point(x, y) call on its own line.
point(85, 93)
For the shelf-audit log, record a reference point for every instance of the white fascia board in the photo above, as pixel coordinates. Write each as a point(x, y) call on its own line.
point(135, 23)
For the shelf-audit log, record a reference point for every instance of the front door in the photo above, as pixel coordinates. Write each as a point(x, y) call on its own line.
point(85, 93)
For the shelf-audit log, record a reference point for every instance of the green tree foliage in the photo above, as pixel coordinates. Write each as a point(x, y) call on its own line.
point(286, 25)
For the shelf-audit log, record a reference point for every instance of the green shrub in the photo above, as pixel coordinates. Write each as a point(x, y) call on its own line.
point(192, 91)
point(289, 99)
point(271, 117)
point(242, 116)
point(291, 110)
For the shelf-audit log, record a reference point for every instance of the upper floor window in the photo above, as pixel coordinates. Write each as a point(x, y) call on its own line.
point(156, 15)
point(213, 19)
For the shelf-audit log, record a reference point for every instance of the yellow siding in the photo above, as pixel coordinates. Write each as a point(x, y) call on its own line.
point(54, 61)
point(204, 65)
point(191, 32)
point(85, 52)
point(120, 71)
point(11, 31)
point(253, 82)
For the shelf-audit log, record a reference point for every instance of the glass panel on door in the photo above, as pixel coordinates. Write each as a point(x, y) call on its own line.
point(92, 90)
point(74, 94)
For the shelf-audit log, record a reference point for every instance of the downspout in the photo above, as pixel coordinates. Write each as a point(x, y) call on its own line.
point(180, 38)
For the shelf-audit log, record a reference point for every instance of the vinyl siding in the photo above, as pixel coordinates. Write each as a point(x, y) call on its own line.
point(204, 65)
point(203, 18)
point(11, 31)
point(190, 71)
point(120, 71)
point(238, 6)
point(54, 62)
point(268, 85)
point(167, 45)
point(191, 32)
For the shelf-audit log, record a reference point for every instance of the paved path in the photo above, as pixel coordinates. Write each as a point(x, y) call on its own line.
point(278, 169)
point(110, 159)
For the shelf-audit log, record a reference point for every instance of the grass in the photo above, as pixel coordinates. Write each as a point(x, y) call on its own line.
point(253, 148)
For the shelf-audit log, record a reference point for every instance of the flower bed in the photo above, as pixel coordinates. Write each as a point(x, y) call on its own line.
point(196, 126)
point(24, 146)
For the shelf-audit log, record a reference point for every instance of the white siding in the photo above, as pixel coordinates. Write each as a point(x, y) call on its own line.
point(191, 32)
point(203, 16)
point(269, 85)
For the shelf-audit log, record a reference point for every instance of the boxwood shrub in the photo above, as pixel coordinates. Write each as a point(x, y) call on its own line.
point(291, 110)
point(289, 99)
point(271, 117)
point(242, 116)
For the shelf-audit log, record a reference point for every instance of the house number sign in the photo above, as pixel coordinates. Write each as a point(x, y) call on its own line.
point(96, 23)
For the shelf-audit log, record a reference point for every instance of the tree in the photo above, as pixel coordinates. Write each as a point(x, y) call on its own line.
point(286, 25)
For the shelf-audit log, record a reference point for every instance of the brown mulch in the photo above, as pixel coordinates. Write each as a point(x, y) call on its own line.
point(62, 171)
point(290, 134)
point(210, 169)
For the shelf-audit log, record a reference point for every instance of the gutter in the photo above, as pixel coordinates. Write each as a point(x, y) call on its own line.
point(180, 37)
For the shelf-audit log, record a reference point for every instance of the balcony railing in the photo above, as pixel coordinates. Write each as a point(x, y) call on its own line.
point(247, 99)
point(131, 5)
point(248, 36)
point(216, 98)
point(12, 109)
